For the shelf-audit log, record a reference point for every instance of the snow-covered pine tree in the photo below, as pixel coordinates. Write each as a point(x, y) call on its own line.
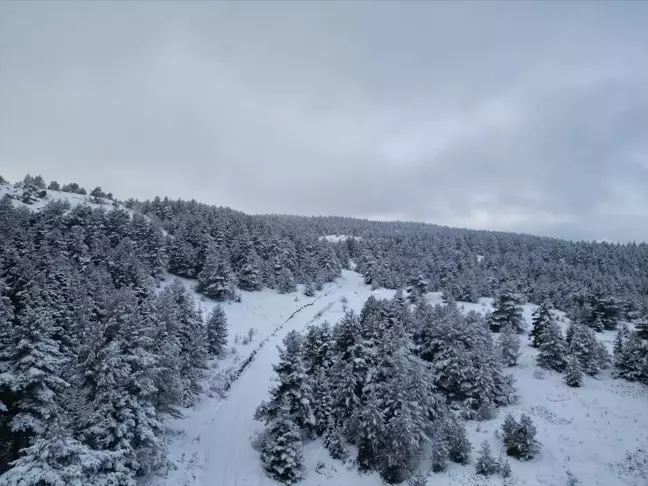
point(282, 451)
point(486, 464)
point(348, 371)
point(641, 328)
point(368, 424)
point(519, 437)
point(459, 446)
point(573, 372)
point(508, 344)
point(6, 341)
point(318, 359)
point(309, 289)
point(285, 281)
point(585, 346)
point(182, 255)
point(216, 280)
point(504, 468)
point(553, 350)
point(488, 385)
point(58, 458)
point(30, 381)
point(250, 275)
point(630, 364)
point(541, 317)
point(569, 334)
point(118, 380)
point(438, 451)
point(618, 346)
point(506, 311)
point(418, 479)
point(293, 389)
point(334, 441)
point(216, 325)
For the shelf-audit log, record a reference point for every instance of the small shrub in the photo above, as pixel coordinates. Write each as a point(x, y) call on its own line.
point(486, 464)
point(539, 374)
point(519, 437)
point(571, 479)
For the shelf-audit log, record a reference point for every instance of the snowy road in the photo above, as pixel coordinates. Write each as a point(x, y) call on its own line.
point(216, 449)
point(230, 459)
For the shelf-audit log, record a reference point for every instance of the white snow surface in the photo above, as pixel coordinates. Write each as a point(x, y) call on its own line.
point(338, 238)
point(15, 191)
point(597, 432)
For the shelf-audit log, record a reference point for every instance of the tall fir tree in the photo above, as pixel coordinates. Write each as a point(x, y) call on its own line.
point(216, 332)
point(541, 318)
point(573, 372)
point(509, 345)
point(293, 389)
point(631, 363)
point(553, 350)
point(216, 280)
point(586, 348)
point(506, 311)
point(281, 453)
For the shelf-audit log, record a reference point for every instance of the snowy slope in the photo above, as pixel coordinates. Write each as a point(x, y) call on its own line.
point(212, 446)
point(15, 191)
point(588, 431)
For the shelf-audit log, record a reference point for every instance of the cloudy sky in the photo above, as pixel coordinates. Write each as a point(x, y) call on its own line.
point(521, 116)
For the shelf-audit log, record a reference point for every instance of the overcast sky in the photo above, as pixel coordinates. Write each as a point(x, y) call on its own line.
point(520, 116)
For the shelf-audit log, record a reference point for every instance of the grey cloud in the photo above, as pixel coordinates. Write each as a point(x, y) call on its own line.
point(527, 116)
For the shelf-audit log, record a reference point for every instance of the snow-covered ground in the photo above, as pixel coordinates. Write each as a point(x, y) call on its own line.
point(212, 445)
point(15, 191)
point(588, 431)
point(338, 238)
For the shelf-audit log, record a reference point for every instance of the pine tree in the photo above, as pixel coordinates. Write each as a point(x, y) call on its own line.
point(630, 364)
point(641, 328)
point(216, 332)
point(418, 479)
point(57, 458)
point(459, 446)
point(286, 281)
point(573, 372)
point(309, 289)
point(369, 431)
point(282, 454)
point(541, 317)
point(569, 335)
point(553, 350)
point(618, 346)
point(585, 346)
point(118, 380)
point(334, 442)
point(519, 437)
point(216, 280)
point(506, 311)
point(250, 274)
point(486, 464)
point(30, 373)
point(293, 389)
point(509, 346)
point(182, 255)
point(439, 452)
point(504, 468)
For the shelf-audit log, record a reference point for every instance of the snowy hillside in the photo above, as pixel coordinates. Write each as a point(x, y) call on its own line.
point(598, 433)
point(38, 199)
point(136, 347)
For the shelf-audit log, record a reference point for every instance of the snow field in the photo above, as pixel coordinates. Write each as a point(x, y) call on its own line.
point(586, 431)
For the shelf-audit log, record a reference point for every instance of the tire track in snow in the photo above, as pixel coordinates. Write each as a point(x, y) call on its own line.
point(228, 456)
point(248, 361)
